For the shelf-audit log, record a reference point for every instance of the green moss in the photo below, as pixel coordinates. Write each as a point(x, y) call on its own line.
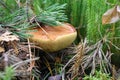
point(96, 31)
point(95, 10)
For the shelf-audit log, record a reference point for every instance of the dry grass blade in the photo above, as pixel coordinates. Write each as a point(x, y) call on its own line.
point(96, 57)
point(89, 57)
point(76, 60)
point(17, 64)
point(80, 50)
point(48, 66)
point(22, 63)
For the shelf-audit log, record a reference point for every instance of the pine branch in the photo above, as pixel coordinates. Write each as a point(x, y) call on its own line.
point(18, 21)
point(52, 15)
point(3, 4)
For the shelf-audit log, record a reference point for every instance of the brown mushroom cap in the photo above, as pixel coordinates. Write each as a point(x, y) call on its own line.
point(54, 38)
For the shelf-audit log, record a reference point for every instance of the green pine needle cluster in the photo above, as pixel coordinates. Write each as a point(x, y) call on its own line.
point(8, 74)
point(18, 17)
point(98, 76)
point(15, 22)
point(52, 15)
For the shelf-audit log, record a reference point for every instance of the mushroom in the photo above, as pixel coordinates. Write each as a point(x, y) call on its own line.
point(51, 38)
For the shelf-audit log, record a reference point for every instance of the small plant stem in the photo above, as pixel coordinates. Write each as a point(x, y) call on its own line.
point(113, 72)
point(29, 47)
point(48, 66)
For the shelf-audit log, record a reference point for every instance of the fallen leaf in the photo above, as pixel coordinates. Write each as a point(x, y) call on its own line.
point(7, 36)
point(118, 8)
point(1, 49)
point(111, 16)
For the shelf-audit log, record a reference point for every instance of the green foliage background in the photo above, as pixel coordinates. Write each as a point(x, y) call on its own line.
point(97, 31)
point(84, 15)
